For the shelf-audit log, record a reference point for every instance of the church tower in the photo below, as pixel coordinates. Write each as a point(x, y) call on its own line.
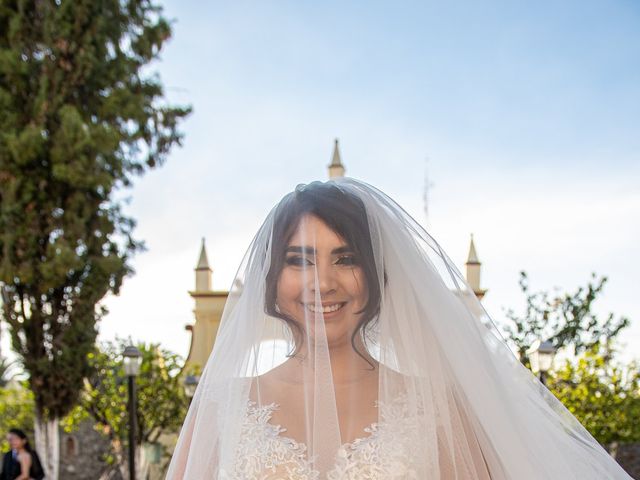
point(208, 312)
point(473, 271)
point(336, 169)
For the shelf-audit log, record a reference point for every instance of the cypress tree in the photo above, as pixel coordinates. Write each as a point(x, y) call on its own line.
point(80, 117)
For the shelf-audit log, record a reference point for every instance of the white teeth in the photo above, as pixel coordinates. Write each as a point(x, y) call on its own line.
point(327, 309)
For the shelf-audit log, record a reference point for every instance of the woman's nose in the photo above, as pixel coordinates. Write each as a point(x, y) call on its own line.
point(324, 278)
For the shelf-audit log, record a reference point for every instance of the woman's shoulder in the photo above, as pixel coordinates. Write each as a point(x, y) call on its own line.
point(395, 377)
point(24, 454)
point(277, 382)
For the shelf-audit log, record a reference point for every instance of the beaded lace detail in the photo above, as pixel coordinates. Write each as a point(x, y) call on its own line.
point(264, 453)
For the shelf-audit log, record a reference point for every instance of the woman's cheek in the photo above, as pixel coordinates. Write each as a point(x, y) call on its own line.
point(290, 281)
point(357, 286)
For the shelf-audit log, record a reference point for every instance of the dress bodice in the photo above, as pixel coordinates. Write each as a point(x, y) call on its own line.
point(386, 452)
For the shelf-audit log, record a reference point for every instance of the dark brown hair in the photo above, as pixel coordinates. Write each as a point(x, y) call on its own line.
point(345, 214)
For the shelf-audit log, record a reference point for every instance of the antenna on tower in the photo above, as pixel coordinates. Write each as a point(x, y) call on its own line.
point(427, 189)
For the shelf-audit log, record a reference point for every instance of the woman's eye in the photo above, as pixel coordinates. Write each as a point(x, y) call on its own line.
point(297, 261)
point(347, 260)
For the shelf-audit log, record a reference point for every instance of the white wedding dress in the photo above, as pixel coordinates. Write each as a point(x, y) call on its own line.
point(266, 453)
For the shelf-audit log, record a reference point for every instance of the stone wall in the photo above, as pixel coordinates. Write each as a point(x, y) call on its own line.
point(628, 456)
point(82, 455)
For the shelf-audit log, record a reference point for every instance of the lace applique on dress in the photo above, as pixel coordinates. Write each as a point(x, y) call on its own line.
point(386, 453)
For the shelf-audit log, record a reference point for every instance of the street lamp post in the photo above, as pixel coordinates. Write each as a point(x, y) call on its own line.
point(541, 356)
point(132, 362)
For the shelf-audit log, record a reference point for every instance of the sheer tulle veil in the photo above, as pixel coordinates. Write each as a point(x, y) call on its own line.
point(348, 328)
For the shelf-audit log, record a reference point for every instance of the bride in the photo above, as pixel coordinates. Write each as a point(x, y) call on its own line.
point(352, 348)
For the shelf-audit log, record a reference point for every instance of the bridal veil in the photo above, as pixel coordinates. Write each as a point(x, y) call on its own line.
point(351, 347)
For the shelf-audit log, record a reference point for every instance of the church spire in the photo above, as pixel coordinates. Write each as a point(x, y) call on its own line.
point(336, 168)
point(473, 271)
point(203, 261)
point(203, 271)
point(473, 256)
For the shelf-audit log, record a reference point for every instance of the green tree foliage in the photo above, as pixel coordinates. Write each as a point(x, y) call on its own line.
point(602, 395)
point(16, 411)
point(79, 119)
point(566, 319)
point(162, 403)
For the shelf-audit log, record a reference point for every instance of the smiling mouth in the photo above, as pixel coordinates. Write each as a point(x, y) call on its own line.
point(325, 308)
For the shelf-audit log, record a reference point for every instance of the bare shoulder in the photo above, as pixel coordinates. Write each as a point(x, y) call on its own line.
point(396, 382)
point(24, 454)
point(24, 458)
point(279, 382)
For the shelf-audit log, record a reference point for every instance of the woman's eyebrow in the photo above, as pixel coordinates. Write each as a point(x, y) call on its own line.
point(298, 249)
point(311, 250)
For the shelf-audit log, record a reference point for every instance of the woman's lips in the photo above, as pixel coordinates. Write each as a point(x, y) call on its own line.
point(326, 309)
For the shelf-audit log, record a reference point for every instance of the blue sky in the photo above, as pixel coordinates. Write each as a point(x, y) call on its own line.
point(532, 79)
point(527, 112)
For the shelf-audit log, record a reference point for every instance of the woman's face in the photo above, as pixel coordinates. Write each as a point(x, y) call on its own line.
point(15, 442)
point(319, 262)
